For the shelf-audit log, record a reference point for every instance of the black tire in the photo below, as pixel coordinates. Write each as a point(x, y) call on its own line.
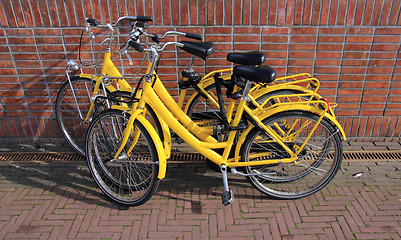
point(71, 126)
point(318, 162)
point(131, 180)
point(200, 108)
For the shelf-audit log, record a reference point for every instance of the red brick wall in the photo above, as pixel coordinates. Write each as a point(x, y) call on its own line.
point(352, 46)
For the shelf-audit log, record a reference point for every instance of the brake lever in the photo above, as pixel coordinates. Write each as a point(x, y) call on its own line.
point(123, 50)
point(129, 58)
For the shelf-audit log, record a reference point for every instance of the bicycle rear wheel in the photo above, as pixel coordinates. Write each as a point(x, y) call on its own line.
point(132, 178)
point(202, 110)
point(318, 162)
point(67, 113)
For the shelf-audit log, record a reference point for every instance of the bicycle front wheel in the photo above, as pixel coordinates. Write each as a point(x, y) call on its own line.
point(72, 127)
point(317, 163)
point(131, 179)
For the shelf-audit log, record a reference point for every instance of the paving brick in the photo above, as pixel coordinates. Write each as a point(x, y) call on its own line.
point(358, 210)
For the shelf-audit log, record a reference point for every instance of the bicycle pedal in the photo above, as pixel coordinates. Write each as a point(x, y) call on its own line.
point(227, 198)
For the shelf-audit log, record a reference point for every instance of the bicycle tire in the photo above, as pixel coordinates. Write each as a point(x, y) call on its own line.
point(199, 109)
point(71, 126)
point(318, 163)
point(211, 111)
point(131, 181)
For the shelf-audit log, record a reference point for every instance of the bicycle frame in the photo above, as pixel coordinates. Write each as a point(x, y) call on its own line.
point(157, 97)
point(109, 71)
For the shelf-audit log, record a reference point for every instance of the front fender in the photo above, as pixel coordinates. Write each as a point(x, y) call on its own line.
point(158, 144)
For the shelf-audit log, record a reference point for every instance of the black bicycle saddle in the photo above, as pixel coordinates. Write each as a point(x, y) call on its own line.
point(200, 49)
point(247, 59)
point(261, 74)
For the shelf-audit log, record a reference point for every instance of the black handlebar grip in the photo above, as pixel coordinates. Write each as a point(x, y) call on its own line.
point(137, 46)
point(193, 36)
point(141, 24)
point(92, 21)
point(144, 18)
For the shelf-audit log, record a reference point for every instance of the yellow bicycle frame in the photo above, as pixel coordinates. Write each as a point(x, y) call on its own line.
point(108, 70)
point(157, 97)
point(170, 114)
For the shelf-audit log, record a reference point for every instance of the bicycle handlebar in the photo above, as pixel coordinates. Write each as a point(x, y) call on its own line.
point(188, 35)
point(136, 45)
point(92, 21)
point(193, 36)
point(143, 19)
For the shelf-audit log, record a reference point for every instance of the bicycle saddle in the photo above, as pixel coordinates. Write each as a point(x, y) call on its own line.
point(262, 74)
point(200, 49)
point(247, 59)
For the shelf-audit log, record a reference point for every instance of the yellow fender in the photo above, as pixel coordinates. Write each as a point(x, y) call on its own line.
point(166, 153)
point(166, 137)
point(158, 144)
point(295, 107)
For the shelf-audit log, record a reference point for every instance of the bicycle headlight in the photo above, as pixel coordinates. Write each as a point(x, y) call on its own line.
point(72, 66)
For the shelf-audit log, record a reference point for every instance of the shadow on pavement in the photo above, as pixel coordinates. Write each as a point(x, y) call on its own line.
point(74, 181)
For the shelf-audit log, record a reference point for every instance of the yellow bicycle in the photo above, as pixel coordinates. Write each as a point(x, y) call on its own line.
point(74, 104)
point(287, 145)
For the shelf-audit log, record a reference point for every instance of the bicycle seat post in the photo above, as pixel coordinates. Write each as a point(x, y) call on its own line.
point(190, 64)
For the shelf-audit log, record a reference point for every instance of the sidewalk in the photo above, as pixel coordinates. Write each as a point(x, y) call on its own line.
point(60, 200)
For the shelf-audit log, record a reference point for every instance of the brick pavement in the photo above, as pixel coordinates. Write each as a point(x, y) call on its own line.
point(64, 147)
point(49, 200)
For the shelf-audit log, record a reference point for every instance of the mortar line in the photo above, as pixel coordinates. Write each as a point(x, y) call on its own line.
point(392, 76)
point(373, 11)
point(75, 13)
point(15, 15)
point(341, 65)
point(302, 13)
point(48, 13)
point(5, 13)
point(328, 16)
point(58, 14)
point(366, 72)
point(381, 13)
point(338, 11)
point(23, 15)
point(42, 68)
point(19, 82)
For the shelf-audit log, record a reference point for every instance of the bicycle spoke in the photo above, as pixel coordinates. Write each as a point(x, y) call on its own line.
point(314, 167)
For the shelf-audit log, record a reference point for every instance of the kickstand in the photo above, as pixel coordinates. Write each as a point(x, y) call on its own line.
point(228, 197)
